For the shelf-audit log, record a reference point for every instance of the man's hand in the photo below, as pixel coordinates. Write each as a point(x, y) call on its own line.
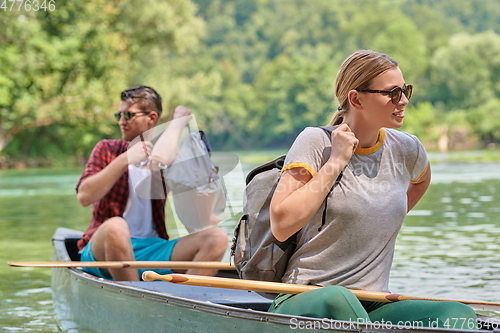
point(139, 152)
point(181, 111)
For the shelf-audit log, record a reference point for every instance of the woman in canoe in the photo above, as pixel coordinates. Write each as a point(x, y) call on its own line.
point(369, 175)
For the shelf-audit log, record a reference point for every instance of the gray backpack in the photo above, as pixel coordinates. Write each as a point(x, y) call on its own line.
point(193, 168)
point(257, 254)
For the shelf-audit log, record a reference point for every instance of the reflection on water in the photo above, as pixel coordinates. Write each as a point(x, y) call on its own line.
point(27, 310)
point(32, 204)
point(464, 172)
point(449, 246)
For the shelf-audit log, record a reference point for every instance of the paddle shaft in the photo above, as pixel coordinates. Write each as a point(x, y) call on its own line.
point(286, 288)
point(127, 264)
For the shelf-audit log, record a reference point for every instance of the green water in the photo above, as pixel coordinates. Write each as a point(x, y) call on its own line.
point(33, 203)
point(448, 248)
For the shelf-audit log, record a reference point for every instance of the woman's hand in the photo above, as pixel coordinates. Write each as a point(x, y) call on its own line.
point(344, 143)
point(299, 194)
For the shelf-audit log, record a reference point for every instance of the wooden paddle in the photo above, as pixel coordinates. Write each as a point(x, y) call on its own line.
point(286, 288)
point(127, 264)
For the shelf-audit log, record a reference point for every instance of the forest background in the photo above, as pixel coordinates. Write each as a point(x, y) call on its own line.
point(255, 72)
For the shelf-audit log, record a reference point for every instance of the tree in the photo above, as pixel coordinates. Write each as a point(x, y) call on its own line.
point(421, 121)
point(466, 72)
point(401, 40)
point(485, 121)
point(255, 72)
point(68, 66)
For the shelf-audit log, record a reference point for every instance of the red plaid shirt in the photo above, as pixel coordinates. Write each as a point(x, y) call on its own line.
point(114, 202)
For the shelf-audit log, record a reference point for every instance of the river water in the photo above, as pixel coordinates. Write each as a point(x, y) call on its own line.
point(449, 246)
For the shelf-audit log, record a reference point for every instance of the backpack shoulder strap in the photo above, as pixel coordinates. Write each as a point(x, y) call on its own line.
point(279, 162)
point(276, 163)
point(204, 138)
point(328, 129)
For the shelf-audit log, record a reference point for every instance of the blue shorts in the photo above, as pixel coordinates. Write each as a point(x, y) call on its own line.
point(145, 249)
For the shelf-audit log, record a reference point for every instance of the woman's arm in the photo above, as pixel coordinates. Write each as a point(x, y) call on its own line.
point(299, 195)
point(416, 190)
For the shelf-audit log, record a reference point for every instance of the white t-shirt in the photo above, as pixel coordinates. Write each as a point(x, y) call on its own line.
point(138, 212)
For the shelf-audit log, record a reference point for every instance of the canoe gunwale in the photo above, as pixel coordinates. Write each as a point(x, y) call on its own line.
point(161, 297)
point(248, 317)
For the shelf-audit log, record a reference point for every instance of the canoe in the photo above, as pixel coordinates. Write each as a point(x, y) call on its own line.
point(85, 303)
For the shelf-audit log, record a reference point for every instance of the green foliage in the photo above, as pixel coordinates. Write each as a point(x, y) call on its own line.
point(403, 41)
point(256, 72)
point(58, 65)
point(65, 68)
point(485, 120)
point(466, 72)
point(292, 95)
point(423, 121)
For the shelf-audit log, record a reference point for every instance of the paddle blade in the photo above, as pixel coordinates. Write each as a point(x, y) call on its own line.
point(149, 276)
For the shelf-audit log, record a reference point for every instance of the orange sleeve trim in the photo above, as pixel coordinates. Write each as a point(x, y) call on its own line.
point(298, 165)
point(419, 179)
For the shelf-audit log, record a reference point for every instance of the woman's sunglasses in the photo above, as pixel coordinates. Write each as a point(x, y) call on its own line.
point(395, 94)
point(128, 114)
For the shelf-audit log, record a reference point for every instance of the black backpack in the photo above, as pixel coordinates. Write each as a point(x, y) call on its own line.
point(257, 254)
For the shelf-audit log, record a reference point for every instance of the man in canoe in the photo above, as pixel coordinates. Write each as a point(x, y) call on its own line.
point(125, 226)
point(369, 175)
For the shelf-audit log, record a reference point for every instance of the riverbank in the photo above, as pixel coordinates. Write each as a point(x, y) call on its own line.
point(259, 157)
point(466, 156)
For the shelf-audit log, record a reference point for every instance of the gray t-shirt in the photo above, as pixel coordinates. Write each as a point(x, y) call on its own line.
point(365, 211)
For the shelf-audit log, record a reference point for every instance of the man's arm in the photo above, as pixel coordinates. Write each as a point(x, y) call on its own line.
point(165, 149)
point(96, 186)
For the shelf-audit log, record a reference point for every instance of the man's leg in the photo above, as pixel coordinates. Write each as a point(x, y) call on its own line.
point(111, 242)
point(206, 245)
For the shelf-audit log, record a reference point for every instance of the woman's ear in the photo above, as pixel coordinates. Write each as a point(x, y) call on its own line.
point(354, 99)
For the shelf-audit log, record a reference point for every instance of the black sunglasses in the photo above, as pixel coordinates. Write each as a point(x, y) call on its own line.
point(128, 114)
point(395, 94)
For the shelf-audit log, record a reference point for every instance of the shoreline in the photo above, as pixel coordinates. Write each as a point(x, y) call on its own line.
point(259, 157)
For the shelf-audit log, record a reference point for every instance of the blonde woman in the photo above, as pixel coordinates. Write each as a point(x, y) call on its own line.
point(369, 175)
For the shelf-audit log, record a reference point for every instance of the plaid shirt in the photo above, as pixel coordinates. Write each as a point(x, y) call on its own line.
point(115, 201)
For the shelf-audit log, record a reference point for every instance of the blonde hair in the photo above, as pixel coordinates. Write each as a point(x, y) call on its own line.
point(357, 72)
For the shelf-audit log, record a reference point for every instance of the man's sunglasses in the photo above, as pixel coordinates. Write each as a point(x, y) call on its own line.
point(128, 114)
point(395, 94)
